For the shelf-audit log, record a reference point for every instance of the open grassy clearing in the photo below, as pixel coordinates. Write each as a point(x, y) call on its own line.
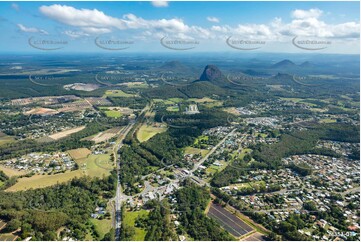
point(173, 109)
point(39, 181)
point(101, 226)
point(79, 153)
point(206, 101)
point(65, 133)
point(175, 99)
point(129, 219)
point(213, 104)
point(134, 84)
point(147, 131)
point(165, 102)
point(244, 152)
point(202, 100)
point(213, 168)
point(327, 121)
point(6, 139)
point(118, 93)
point(94, 166)
point(195, 151)
point(105, 135)
point(113, 114)
point(200, 138)
point(318, 110)
point(231, 110)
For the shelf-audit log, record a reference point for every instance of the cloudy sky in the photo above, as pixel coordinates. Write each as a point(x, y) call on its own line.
point(327, 27)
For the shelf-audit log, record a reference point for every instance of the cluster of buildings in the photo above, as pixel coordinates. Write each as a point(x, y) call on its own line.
point(342, 148)
point(335, 174)
point(41, 163)
point(47, 100)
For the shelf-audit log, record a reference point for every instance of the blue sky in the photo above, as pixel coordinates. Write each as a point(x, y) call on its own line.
point(200, 26)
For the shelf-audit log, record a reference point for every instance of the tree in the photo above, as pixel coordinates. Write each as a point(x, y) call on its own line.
point(14, 224)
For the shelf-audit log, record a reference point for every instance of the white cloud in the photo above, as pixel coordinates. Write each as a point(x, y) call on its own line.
point(160, 4)
point(30, 29)
point(75, 34)
point(213, 19)
point(95, 21)
point(84, 18)
point(304, 23)
point(15, 7)
point(304, 14)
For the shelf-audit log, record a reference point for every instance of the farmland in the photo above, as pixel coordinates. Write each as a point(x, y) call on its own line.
point(105, 135)
point(80, 153)
point(66, 133)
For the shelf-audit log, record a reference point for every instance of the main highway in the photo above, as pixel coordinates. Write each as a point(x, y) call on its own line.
point(120, 197)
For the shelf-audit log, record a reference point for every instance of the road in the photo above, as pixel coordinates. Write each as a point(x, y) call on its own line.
point(198, 180)
point(120, 197)
point(201, 161)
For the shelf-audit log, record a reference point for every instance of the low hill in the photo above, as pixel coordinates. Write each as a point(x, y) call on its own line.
point(175, 67)
point(197, 89)
point(284, 64)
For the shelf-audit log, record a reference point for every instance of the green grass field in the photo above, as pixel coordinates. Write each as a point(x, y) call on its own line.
point(117, 93)
point(327, 121)
point(102, 226)
point(213, 168)
point(194, 151)
point(113, 114)
point(129, 220)
point(6, 139)
point(166, 102)
point(173, 109)
point(93, 165)
point(175, 100)
point(146, 132)
point(200, 138)
point(244, 152)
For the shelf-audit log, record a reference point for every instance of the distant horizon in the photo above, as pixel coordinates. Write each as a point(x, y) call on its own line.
point(166, 53)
